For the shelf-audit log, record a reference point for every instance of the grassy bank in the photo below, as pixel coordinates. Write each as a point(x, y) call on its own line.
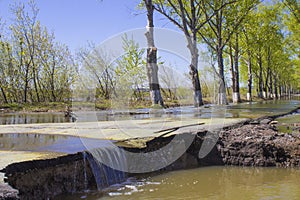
point(35, 107)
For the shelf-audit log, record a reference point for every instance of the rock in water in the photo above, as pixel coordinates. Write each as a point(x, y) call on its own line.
point(7, 192)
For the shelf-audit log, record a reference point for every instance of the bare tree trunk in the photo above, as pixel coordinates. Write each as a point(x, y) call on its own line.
point(35, 85)
point(275, 88)
point(187, 22)
point(260, 79)
point(249, 93)
point(232, 68)
point(265, 87)
point(26, 79)
point(41, 90)
point(271, 86)
point(152, 68)
point(198, 100)
point(280, 92)
point(52, 84)
point(222, 100)
point(236, 90)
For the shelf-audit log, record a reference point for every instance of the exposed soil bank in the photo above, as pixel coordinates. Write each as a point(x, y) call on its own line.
point(249, 143)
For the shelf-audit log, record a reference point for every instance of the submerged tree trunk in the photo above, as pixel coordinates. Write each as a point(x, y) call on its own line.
point(152, 68)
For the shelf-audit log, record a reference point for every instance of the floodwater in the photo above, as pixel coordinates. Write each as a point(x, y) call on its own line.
point(232, 183)
point(290, 123)
point(226, 183)
point(47, 143)
point(244, 110)
point(32, 118)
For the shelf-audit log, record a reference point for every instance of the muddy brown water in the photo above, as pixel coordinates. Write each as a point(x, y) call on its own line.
point(228, 183)
point(203, 183)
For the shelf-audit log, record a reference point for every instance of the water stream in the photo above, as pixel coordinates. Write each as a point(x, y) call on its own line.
point(106, 176)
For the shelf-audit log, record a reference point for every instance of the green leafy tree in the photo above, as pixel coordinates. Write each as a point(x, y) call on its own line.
point(34, 67)
point(130, 72)
point(219, 30)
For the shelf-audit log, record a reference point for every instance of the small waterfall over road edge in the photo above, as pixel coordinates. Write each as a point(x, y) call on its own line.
point(106, 176)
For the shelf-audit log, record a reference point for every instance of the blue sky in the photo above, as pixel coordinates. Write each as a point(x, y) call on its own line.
point(75, 22)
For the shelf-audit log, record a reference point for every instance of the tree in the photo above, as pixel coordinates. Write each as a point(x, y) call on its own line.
point(130, 72)
point(267, 52)
point(97, 62)
point(219, 30)
point(294, 7)
point(169, 81)
point(24, 31)
point(5, 56)
point(34, 67)
point(247, 44)
point(186, 15)
point(152, 67)
point(292, 40)
point(234, 55)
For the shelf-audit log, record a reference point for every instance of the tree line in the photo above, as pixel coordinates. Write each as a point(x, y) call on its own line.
point(254, 36)
point(33, 67)
point(253, 42)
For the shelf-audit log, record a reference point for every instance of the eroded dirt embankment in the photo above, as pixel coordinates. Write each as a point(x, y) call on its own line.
point(250, 143)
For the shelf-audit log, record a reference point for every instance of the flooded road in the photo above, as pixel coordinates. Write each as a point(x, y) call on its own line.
point(243, 110)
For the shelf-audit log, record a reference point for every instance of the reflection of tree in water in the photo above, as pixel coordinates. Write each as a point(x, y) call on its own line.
point(28, 141)
point(29, 118)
